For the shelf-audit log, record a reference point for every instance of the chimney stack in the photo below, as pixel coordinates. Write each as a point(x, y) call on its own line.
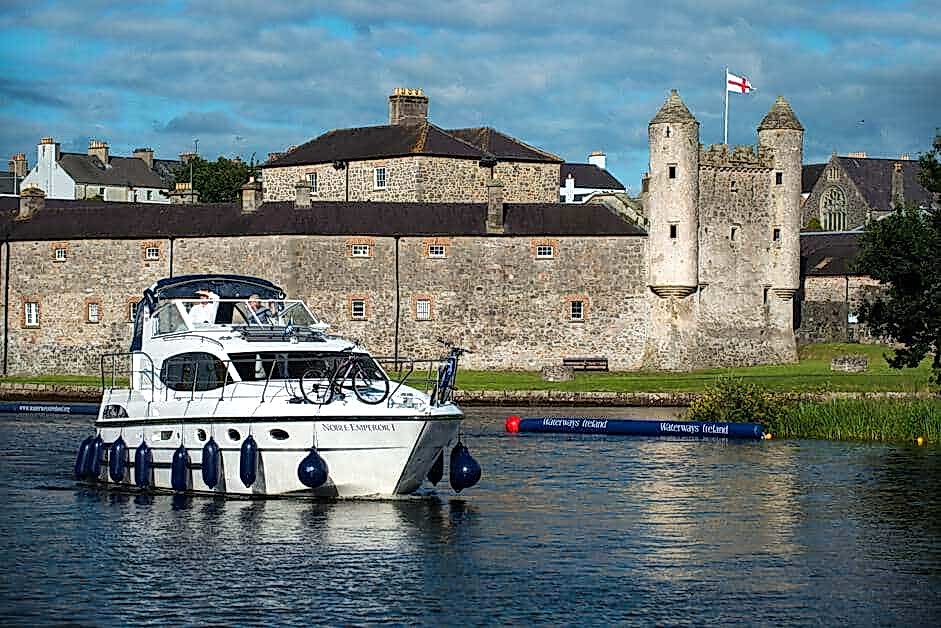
point(183, 194)
point(18, 165)
point(147, 154)
point(99, 149)
point(494, 206)
point(32, 200)
point(49, 148)
point(857, 155)
point(302, 194)
point(407, 106)
point(251, 196)
point(597, 158)
point(905, 156)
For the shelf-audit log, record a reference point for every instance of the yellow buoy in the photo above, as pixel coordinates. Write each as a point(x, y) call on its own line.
point(920, 440)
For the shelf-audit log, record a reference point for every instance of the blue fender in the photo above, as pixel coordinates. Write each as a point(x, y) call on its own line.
point(437, 469)
point(117, 460)
point(313, 470)
point(143, 464)
point(248, 462)
point(80, 458)
point(179, 469)
point(465, 472)
point(92, 470)
point(211, 463)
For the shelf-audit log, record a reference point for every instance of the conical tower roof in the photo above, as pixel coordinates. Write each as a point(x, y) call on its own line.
point(673, 110)
point(781, 116)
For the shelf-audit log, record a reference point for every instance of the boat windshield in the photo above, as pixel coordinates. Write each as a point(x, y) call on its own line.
point(180, 315)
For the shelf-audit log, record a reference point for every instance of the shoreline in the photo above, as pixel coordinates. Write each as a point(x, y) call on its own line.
point(16, 392)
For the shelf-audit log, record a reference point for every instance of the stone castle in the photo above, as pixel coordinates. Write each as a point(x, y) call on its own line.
point(496, 265)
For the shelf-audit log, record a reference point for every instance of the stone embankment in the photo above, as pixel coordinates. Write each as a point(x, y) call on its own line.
point(10, 391)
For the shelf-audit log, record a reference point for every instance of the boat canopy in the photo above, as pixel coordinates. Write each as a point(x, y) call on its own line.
point(186, 286)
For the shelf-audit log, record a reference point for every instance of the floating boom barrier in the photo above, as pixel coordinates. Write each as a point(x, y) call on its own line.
point(634, 427)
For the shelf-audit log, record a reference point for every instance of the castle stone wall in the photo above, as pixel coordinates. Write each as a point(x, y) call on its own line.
point(418, 179)
point(829, 303)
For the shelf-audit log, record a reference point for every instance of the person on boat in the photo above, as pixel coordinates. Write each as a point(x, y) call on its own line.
point(259, 312)
point(205, 310)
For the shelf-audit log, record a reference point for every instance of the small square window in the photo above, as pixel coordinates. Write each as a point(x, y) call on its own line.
point(152, 254)
point(60, 254)
point(93, 313)
point(776, 234)
point(577, 310)
point(358, 309)
point(778, 178)
point(312, 181)
point(545, 251)
point(436, 250)
point(672, 171)
point(379, 178)
point(423, 310)
point(673, 232)
point(359, 250)
point(31, 314)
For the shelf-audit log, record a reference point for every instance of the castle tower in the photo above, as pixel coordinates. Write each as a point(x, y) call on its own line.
point(781, 131)
point(672, 200)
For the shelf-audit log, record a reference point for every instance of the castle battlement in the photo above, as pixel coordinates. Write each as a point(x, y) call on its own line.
point(743, 156)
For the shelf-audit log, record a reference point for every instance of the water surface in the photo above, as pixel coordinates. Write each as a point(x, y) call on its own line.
point(562, 530)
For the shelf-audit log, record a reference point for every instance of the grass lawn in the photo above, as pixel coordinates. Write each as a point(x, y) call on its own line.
point(812, 373)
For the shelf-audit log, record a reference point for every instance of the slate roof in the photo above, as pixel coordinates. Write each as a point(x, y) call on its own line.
point(123, 171)
point(400, 140)
point(502, 146)
point(809, 175)
point(67, 219)
point(873, 177)
point(829, 253)
point(589, 176)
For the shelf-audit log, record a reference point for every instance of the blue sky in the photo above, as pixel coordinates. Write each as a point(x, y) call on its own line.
point(253, 77)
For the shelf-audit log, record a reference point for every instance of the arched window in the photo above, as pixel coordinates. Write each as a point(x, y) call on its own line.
point(833, 209)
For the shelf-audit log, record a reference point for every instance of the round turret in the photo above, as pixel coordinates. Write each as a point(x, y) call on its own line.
point(672, 200)
point(781, 131)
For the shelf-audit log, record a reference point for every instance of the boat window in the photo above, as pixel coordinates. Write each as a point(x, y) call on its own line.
point(193, 371)
point(294, 364)
point(167, 320)
point(298, 315)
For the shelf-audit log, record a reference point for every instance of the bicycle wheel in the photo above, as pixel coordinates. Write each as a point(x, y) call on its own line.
point(369, 385)
point(315, 386)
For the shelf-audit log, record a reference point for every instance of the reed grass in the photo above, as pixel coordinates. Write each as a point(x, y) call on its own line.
point(863, 420)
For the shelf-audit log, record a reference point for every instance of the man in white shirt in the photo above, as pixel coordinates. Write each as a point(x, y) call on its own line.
point(205, 310)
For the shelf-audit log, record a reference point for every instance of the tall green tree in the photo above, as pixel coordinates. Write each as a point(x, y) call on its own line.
point(903, 251)
point(216, 181)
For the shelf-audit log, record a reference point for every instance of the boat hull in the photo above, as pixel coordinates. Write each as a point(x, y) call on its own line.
point(374, 456)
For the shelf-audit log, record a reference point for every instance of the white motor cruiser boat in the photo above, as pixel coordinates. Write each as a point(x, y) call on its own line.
point(234, 389)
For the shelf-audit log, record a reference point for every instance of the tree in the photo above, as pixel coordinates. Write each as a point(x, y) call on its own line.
point(217, 181)
point(902, 252)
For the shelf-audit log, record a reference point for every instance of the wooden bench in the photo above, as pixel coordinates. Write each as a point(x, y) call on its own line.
point(586, 364)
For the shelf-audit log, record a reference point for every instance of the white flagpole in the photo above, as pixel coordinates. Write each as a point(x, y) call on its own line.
point(726, 81)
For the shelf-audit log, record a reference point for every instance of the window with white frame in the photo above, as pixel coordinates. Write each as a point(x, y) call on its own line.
point(152, 253)
point(545, 251)
point(312, 181)
point(379, 178)
point(93, 312)
point(576, 310)
point(359, 250)
point(423, 309)
point(131, 310)
point(31, 314)
point(60, 254)
point(436, 250)
point(358, 309)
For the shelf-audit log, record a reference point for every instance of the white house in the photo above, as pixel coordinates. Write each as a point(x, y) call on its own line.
point(577, 182)
point(139, 178)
